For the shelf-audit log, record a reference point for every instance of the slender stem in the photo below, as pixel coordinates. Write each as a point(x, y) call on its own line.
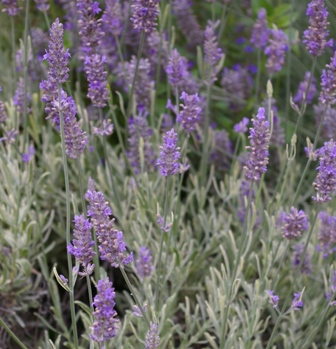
point(12, 334)
point(88, 282)
point(67, 193)
point(134, 296)
point(13, 57)
point(258, 76)
point(46, 18)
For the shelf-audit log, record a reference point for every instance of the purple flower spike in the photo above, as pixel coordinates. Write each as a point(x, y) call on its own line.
point(191, 112)
point(112, 17)
point(261, 32)
point(18, 99)
point(144, 15)
point(297, 303)
point(169, 155)
point(11, 7)
point(96, 75)
point(81, 246)
point(274, 299)
point(212, 53)
point(105, 130)
point(328, 83)
point(259, 143)
point(26, 157)
point(315, 37)
point(294, 223)
point(302, 90)
point(105, 322)
point(327, 234)
point(56, 56)
point(241, 127)
point(325, 183)
point(3, 115)
point(152, 337)
point(9, 136)
point(176, 69)
point(144, 265)
point(276, 49)
point(42, 5)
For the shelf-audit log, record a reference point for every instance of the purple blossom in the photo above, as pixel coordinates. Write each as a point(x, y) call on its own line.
point(177, 69)
point(241, 127)
point(3, 115)
point(294, 223)
point(327, 234)
point(144, 265)
point(19, 99)
point(276, 49)
point(42, 5)
point(328, 83)
point(9, 136)
point(189, 116)
point(152, 337)
point(315, 37)
point(138, 128)
point(10, 7)
point(164, 226)
point(298, 98)
point(306, 267)
point(112, 17)
point(222, 150)
point(154, 40)
point(105, 322)
point(82, 245)
point(64, 279)
point(105, 130)
point(89, 26)
point(96, 75)
point(297, 303)
point(56, 56)
point(144, 16)
point(26, 157)
point(259, 143)
point(169, 155)
point(112, 245)
point(325, 183)
point(261, 32)
point(274, 299)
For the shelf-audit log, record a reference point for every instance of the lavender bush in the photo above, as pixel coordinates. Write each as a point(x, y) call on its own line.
point(168, 174)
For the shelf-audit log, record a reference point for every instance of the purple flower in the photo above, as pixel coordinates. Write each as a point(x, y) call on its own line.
point(189, 116)
point(241, 127)
point(56, 56)
point(96, 75)
point(297, 303)
point(325, 183)
point(261, 32)
point(18, 99)
point(306, 267)
point(144, 15)
point(89, 26)
point(112, 245)
point(176, 69)
point(222, 150)
point(328, 83)
point(144, 265)
point(259, 143)
point(9, 136)
point(294, 223)
point(138, 128)
point(3, 115)
point(315, 37)
point(169, 155)
point(10, 7)
point(105, 130)
point(327, 233)
point(274, 299)
point(298, 98)
point(42, 5)
point(105, 322)
point(81, 246)
point(154, 40)
point(152, 337)
point(276, 49)
point(163, 225)
point(112, 18)
point(26, 157)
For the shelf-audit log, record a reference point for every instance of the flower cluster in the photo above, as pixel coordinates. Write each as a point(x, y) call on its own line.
point(241, 127)
point(112, 18)
point(273, 298)
point(315, 37)
point(152, 337)
point(42, 5)
point(144, 15)
point(176, 69)
point(112, 245)
point(276, 49)
point(144, 265)
point(259, 143)
point(11, 7)
point(294, 223)
point(327, 234)
point(105, 322)
point(260, 32)
point(189, 116)
point(328, 83)
point(298, 98)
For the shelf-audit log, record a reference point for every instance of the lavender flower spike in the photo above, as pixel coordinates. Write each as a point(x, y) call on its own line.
point(152, 337)
point(297, 303)
point(276, 51)
point(3, 115)
point(212, 53)
point(176, 69)
point(105, 324)
point(81, 246)
point(112, 17)
point(327, 234)
point(302, 90)
point(169, 155)
point(57, 57)
point(191, 112)
point(315, 37)
point(328, 83)
point(261, 32)
point(259, 143)
point(11, 7)
point(294, 223)
point(144, 265)
point(42, 5)
point(241, 127)
point(144, 15)
point(274, 299)
point(325, 183)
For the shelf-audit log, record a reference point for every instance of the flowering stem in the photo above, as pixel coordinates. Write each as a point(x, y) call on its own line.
point(12, 334)
point(283, 310)
point(67, 193)
point(130, 95)
point(258, 76)
point(88, 282)
point(158, 271)
point(13, 58)
point(46, 19)
point(134, 295)
point(237, 262)
point(288, 71)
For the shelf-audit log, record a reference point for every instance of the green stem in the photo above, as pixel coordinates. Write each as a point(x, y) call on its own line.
point(88, 282)
point(11, 333)
point(258, 77)
point(13, 59)
point(67, 193)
